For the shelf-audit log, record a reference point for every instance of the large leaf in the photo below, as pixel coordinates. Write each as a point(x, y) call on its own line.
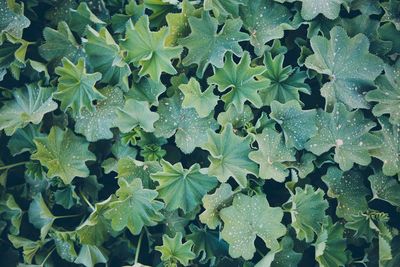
point(388, 152)
point(132, 197)
point(29, 105)
point(12, 19)
point(207, 45)
point(64, 154)
point(76, 88)
point(349, 189)
point(182, 188)
point(174, 250)
point(240, 79)
point(346, 131)
point(96, 124)
point(247, 218)
point(147, 49)
point(271, 155)
point(229, 156)
point(387, 94)
point(349, 65)
point(298, 125)
point(189, 128)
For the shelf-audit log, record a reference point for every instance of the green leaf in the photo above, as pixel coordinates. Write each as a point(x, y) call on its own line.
point(312, 8)
point(285, 257)
point(12, 55)
point(66, 196)
point(346, 131)
point(76, 88)
point(182, 188)
point(146, 90)
point(239, 78)
point(82, 18)
point(90, 255)
point(40, 215)
point(189, 128)
point(11, 213)
point(22, 140)
point(224, 8)
point(298, 125)
point(64, 245)
point(232, 116)
point(207, 45)
point(308, 212)
point(351, 68)
point(330, 246)
point(349, 190)
point(132, 197)
point(247, 218)
point(203, 102)
point(12, 19)
point(130, 169)
point(64, 154)
point(95, 230)
point(207, 244)
point(229, 156)
point(391, 12)
point(60, 43)
point(95, 125)
point(388, 151)
point(385, 188)
point(174, 250)
point(271, 155)
point(285, 82)
point(136, 113)
point(213, 203)
point(29, 247)
point(105, 56)
point(147, 50)
point(29, 105)
point(266, 21)
point(132, 11)
point(387, 94)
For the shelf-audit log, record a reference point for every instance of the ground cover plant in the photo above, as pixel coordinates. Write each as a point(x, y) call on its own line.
point(200, 133)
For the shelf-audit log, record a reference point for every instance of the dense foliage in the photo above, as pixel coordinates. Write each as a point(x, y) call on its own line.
point(200, 133)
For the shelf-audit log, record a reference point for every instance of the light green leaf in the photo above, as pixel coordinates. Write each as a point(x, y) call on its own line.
point(271, 155)
point(349, 65)
point(213, 203)
point(349, 190)
point(82, 18)
point(29, 247)
point(240, 79)
point(60, 43)
point(247, 218)
point(29, 105)
point(229, 156)
point(76, 88)
point(106, 57)
point(308, 212)
point(189, 128)
point(285, 82)
point(232, 116)
point(11, 213)
point(298, 125)
point(203, 102)
point(346, 131)
point(40, 215)
point(330, 246)
point(130, 169)
point(385, 188)
point(182, 188)
point(95, 125)
point(64, 154)
point(12, 19)
point(146, 90)
point(387, 94)
point(64, 245)
point(132, 197)
point(266, 20)
point(208, 46)
point(132, 11)
point(224, 8)
point(136, 113)
point(12, 55)
point(174, 250)
point(147, 49)
point(90, 255)
point(388, 152)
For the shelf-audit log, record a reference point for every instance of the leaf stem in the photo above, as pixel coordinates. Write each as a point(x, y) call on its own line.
point(68, 216)
point(6, 167)
point(139, 244)
point(86, 200)
point(47, 257)
point(259, 252)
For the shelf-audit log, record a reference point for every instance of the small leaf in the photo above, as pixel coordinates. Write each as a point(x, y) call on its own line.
point(247, 218)
point(229, 156)
point(22, 140)
point(146, 90)
point(64, 154)
point(174, 250)
point(385, 188)
point(13, 20)
point(40, 215)
point(90, 255)
point(82, 18)
point(224, 8)
point(64, 245)
point(285, 257)
point(182, 188)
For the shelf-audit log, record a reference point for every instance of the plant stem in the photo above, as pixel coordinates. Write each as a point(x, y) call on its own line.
point(86, 200)
point(47, 257)
point(68, 216)
point(6, 167)
point(138, 247)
